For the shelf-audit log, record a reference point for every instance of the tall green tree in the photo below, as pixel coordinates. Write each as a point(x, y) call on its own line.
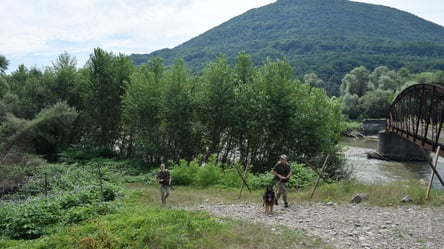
point(181, 135)
point(65, 80)
point(355, 82)
point(246, 125)
point(30, 86)
point(102, 90)
point(215, 101)
point(375, 104)
point(142, 105)
point(278, 107)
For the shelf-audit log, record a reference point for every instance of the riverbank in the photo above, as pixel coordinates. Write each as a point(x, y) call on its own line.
point(344, 225)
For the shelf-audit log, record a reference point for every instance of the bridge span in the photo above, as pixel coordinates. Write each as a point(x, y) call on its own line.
point(417, 114)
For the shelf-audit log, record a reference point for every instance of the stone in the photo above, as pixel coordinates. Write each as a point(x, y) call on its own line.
point(406, 198)
point(359, 197)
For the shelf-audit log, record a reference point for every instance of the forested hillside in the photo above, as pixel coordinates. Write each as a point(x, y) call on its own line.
point(327, 37)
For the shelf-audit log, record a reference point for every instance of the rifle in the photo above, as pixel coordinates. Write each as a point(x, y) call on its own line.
point(169, 185)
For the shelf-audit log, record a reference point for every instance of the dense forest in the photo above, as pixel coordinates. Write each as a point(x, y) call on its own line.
point(250, 89)
point(153, 113)
point(326, 37)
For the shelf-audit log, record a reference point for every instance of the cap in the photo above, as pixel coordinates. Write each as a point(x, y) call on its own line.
point(283, 157)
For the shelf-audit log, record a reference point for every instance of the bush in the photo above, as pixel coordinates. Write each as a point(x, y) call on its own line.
point(28, 220)
point(212, 174)
point(74, 191)
point(184, 174)
point(208, 175)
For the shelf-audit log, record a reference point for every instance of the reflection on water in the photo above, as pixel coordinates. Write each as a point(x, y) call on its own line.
point(380, 171)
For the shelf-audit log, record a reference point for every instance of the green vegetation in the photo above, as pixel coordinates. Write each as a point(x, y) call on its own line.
point(152, 113)
point(211, 117)
point(74, 213)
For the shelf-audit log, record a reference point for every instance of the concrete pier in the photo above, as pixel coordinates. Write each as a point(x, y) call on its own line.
point(397, 148)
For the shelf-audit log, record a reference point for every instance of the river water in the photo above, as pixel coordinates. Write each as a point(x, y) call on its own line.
point(381, 171)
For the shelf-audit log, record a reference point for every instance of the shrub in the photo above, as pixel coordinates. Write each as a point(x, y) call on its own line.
point(28, 220)
point(184, 173)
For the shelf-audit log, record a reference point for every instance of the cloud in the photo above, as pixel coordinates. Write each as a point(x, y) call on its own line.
point(36, 32)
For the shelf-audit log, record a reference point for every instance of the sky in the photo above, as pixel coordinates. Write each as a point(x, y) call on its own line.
point(35, 33)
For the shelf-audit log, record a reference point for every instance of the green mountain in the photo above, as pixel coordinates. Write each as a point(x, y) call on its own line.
point(328, 37)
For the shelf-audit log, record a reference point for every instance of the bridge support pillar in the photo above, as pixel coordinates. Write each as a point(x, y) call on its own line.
point(395, 147)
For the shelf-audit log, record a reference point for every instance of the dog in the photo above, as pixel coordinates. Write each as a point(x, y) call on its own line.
point(268, 200)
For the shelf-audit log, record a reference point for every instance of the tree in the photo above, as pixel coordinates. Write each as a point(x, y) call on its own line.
point(313, 80)
point(245, 140)
point(31, 90)
point(355, 82)
point(215, 102)
point(375, 104)
point(181, 139)
point(46, 134)
point(102, 90)
point(141, 110)
point(351, 106)
point(3, 64)
point(277, 109)
point(382, 78)
point(65, 81)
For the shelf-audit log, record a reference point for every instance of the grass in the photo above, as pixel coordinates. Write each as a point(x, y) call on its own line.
point(140, 222)
point(379, 194)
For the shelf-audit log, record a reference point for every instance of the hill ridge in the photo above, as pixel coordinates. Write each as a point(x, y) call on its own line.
point(328, 37)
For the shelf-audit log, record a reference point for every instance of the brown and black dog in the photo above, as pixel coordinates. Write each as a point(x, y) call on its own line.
point(268, 200)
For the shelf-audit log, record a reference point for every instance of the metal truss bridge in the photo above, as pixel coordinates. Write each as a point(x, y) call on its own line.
point(417, 114)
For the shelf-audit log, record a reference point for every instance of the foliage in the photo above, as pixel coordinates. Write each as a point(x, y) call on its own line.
point(138, 224)
point(28, 220)
point(49, 132)
point(59, 194)
point(101, 93)
point(229, 176)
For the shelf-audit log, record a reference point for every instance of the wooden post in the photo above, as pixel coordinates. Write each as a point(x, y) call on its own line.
point(435, 161)
point(316, 171)
point(244, 182)
point(319, 176)
point(101, 182)
point(431, 165)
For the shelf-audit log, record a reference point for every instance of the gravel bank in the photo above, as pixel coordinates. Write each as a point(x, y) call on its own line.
point(349, 226)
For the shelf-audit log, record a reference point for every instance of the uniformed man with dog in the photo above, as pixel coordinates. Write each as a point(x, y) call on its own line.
point(282, 173)
point(164, 179)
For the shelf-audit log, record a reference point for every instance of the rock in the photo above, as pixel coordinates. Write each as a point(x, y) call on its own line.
point(359, 197)
point(422, 182)
point(406, 198)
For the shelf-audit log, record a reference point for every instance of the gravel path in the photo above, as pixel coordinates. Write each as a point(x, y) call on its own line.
point(349, 225)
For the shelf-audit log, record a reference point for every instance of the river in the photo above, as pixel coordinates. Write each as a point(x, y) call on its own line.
point(381, 171)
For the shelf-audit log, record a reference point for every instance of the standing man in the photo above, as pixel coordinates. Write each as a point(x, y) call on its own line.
point(282, 173)
point(164, 179)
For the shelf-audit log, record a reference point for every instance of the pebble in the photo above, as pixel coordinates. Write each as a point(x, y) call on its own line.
point(346, 225)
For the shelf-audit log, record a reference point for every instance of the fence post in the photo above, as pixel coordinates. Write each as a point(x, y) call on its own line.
point(46, 186)
point(100, 182)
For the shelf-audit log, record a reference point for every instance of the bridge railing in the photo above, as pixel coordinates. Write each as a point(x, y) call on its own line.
point(417, 114)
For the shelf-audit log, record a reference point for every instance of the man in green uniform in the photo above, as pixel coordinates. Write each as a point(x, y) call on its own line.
point(164, 179)
point(282, 173)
